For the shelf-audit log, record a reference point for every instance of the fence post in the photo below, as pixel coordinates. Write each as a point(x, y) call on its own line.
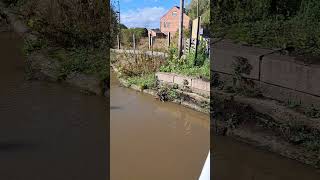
point(169, 39)
point(151, 45)
point(190, 38)
point(149, 40)
point(118, 40)
point(134, 41)
point(197, 40)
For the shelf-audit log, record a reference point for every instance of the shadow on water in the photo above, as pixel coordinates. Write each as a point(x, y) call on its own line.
point(16, 146)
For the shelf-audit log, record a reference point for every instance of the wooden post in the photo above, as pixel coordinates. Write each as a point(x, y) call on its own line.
point(134, 47)
point(169, 39)
point(134, 42)
point(118, 39)
point(190, 38)
point(180, 29)
point(149, 40)
point(197, 39)
point(151, 45)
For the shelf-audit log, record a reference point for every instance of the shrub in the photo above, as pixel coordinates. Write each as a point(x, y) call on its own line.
point(127, 38)
point(73, 23)
point(270, 23)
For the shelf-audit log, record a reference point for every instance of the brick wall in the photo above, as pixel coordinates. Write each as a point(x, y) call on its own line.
point(170, 21)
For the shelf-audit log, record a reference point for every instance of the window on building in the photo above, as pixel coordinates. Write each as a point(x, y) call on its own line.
point(168, 24)
point(174, 13)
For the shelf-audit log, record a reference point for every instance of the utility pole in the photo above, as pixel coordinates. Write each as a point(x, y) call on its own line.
point(180, 29)
point(119, 23)
point(198, 29)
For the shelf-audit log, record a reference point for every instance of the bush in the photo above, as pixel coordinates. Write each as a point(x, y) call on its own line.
point(87, 61)
point(199, 67)
point(73, 23)
point(131, 65)
point(144, 82)
point(127, 35)
point(270, 23)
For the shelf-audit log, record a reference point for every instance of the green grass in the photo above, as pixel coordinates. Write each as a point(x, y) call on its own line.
point(144, 82)
point(87, 61)
point(287, 24)
point(189, 66)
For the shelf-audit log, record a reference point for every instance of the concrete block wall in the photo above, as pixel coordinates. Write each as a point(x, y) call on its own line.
point(279, 77)
point(198, 85)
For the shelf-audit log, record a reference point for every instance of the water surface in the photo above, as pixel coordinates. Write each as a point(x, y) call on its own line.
point(155, 140)
point(48, 131)
point(233, 160)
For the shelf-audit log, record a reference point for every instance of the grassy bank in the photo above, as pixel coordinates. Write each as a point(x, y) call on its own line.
point(76, 35)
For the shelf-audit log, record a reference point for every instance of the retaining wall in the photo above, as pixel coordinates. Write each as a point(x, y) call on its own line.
point(196, 85)
point(279, 77)
point(131, 51)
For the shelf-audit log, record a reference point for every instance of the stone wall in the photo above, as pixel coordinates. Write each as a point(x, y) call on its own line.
point(279, 77)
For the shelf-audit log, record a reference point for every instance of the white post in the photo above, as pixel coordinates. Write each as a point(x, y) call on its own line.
point(205, 174)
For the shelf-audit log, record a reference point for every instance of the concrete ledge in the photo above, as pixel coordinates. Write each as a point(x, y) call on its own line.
point(196, 84)
point(149, 53)
point(166, 77)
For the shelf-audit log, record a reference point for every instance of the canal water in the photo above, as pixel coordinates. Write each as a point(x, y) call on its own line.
point(48, 131)
point(155, 140)
point(233, 160)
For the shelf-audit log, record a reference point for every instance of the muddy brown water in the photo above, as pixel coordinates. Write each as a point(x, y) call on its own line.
point(155, 140)
point(233, 160)
point(48, 131)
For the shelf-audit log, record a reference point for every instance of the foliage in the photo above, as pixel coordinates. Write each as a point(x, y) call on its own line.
point(131, 65)
point(167, 93)
point(204, 11)
point(269, 23)
point(313, 112)
point(73, 23)
point(87, 61)
point(241, 84)
point(34, 45)
point(188, 65)
point(127, 35)
point(144, 82)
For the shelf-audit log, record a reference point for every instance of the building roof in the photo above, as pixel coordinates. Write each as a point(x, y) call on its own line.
point(171, 9)
point(156, 30)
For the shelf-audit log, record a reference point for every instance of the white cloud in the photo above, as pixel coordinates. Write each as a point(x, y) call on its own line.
point(148, 17)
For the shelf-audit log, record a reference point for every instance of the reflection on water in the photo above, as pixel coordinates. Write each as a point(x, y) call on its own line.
point(234, 160)
point(155, 140)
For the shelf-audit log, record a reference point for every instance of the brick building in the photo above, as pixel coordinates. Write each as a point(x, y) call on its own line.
point(170, 21)
point(156, 33)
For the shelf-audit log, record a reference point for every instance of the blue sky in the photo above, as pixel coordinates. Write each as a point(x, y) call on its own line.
point(145, 13)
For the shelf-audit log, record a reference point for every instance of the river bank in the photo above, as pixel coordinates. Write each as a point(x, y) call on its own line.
point(78, 68)
point(258, 98)
point(185, 98)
